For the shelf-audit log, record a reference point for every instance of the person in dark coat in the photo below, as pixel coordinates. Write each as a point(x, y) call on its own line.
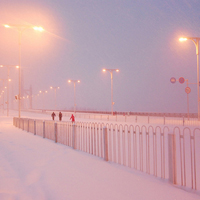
point(60, 116)
point(53, 115)
point(72, 118)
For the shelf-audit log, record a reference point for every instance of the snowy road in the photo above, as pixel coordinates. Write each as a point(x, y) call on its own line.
point(35, 168)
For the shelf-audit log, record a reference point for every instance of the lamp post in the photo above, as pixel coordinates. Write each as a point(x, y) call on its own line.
point(43, 92)
point(196, 42)
point(111, 74)
point(55, 88)
point(74, 81)
point(20, 29)
point(2, 93)
point(8, 80)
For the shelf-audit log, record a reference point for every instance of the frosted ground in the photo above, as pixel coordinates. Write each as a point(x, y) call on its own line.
point(35, 168)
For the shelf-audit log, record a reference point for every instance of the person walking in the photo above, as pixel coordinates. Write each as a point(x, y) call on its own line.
point(60, 116)
point(72, 118)
point(53, 115)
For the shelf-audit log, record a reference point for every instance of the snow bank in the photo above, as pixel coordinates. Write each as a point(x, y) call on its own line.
point(35, 168)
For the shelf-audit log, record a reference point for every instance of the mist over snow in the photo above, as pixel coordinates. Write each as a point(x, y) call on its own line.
point(140, 38)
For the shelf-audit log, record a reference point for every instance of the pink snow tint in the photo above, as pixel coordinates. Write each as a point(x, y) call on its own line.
point(33, 168)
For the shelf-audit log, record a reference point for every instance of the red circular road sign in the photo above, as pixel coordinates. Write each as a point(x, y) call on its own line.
point(173, 80)
point(187, 90)
point(181, 80)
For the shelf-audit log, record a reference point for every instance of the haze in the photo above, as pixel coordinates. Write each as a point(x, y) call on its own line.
point(81, 37)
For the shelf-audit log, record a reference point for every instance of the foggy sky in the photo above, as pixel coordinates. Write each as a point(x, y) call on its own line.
point(82, 37)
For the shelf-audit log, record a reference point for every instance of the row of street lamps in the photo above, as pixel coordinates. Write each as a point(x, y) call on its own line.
point(55, 90)
point(21, 28)
point(78, 81)
point(8, 80)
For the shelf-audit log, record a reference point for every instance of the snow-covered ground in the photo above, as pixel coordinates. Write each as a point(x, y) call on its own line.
point(35, 168)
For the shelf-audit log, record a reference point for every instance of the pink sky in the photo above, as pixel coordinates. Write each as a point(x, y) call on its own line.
point(82, 37)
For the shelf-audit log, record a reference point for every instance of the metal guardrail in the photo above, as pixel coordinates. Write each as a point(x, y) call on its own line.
point(135, 117)
point(90, 112)
point(145, 148)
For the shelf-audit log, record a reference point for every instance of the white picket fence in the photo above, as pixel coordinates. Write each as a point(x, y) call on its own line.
point(159, 151)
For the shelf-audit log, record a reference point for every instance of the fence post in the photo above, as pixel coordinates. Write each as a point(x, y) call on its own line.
point(28, 125)
point(18, 122)
point(164, 119)
point(105, 138)
point(13, 120)
point(43, 129)
point(74, 136)
point(55, 131)
point(23, 124)
point(172, 158)
point(34, 127)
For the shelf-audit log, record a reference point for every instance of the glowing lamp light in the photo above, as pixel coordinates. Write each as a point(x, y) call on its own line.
point(182, 39)
point(69, 81)
point(7, 26)
point(117, 70)
point(104, 70)
point(38, 28)
point(17, 67)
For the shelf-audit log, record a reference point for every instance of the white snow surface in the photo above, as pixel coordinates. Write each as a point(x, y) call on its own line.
point(33, 168)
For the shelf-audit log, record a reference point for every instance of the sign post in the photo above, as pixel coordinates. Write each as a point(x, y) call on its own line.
point(181, 80)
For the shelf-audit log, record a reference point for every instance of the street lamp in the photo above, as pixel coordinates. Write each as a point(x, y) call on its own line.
point(2, 95)
point(8, 80)
point(74, 81)
point(55, 88)
point(196, 42)
point(43, 92)
point(2, 92)
point(20, 29)
point(111, 74)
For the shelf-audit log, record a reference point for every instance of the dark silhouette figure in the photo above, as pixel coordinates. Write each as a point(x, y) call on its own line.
point(53, 115)
point(60, 116)
point(72, 118)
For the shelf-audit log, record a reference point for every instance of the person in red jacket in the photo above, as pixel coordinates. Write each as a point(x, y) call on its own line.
point(72, 118)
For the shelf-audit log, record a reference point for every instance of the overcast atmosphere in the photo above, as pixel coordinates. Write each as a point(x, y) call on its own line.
point(81, 37)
